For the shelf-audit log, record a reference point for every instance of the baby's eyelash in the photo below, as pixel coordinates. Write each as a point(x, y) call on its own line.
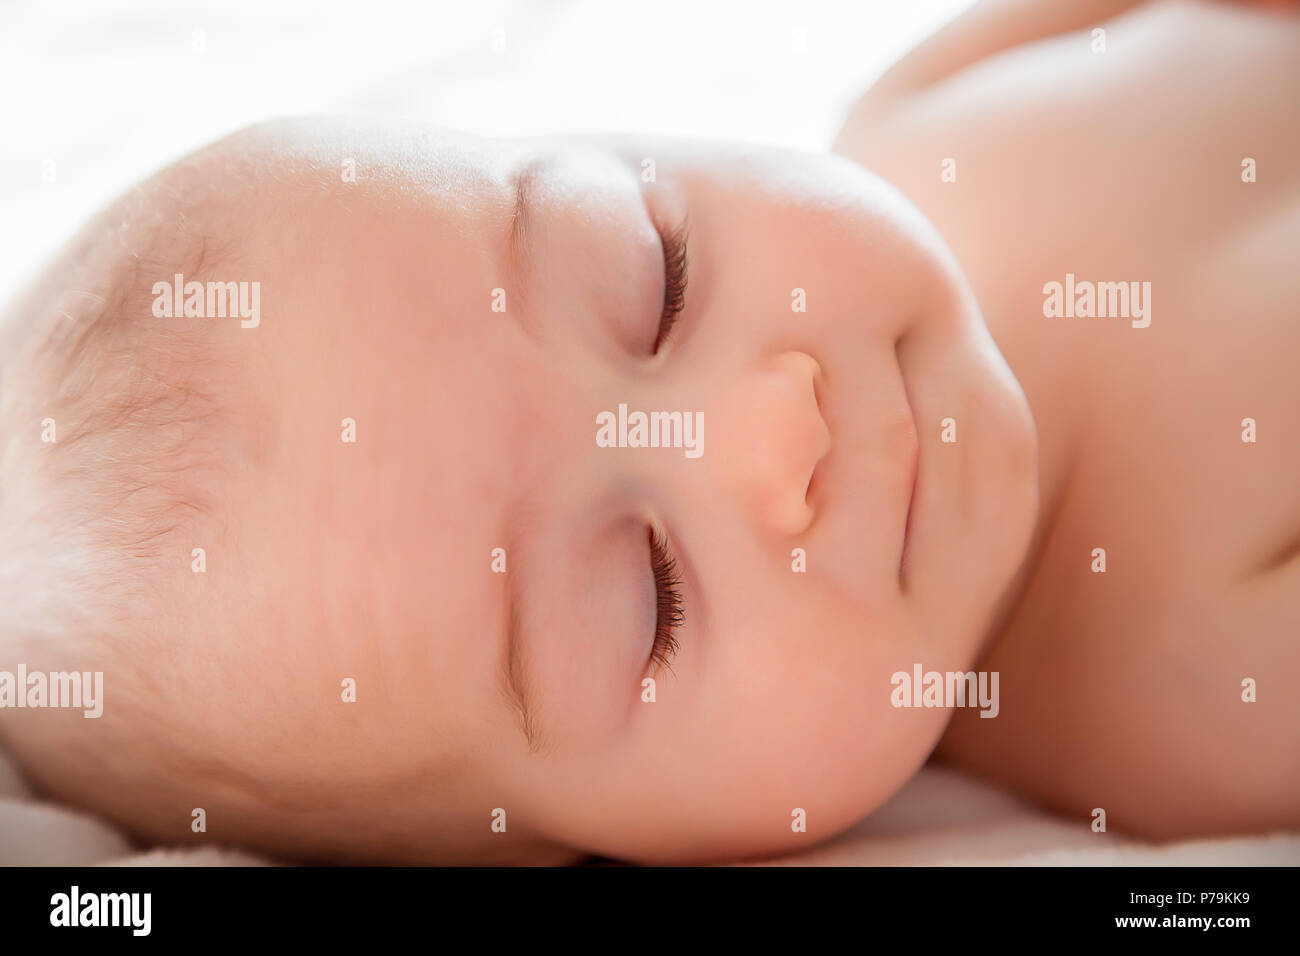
point(670, 612)
point(674, 245)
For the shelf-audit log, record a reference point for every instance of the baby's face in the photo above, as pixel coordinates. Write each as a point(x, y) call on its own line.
point(482, 311)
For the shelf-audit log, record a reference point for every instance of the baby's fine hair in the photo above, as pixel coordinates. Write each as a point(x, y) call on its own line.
point(109, 433)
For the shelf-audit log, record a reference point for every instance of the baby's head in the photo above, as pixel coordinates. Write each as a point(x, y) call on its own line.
point(416, 474)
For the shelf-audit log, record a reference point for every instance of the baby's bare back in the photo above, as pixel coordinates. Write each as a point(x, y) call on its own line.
point(1166, 166)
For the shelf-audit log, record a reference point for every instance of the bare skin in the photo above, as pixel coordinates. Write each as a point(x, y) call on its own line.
point(1123, 690)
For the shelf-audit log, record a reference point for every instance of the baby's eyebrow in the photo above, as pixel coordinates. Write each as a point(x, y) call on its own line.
point(513, 668)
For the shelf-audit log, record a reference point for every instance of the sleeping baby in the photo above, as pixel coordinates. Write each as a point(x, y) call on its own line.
point(419, 497)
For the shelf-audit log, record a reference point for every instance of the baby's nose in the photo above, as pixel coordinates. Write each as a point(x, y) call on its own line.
point(771, 437)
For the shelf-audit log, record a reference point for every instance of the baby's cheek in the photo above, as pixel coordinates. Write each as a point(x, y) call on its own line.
point(803, 700)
